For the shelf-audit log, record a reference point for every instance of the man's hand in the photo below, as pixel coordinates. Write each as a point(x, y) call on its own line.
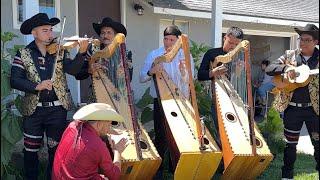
point(83, 45)
point(97, 66)
point(291, 74)
point(218, 71)
point(46, 84)
point(155, 69)
point(120, 145)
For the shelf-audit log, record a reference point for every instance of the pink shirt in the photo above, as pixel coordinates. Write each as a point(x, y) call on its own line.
point(82, 160)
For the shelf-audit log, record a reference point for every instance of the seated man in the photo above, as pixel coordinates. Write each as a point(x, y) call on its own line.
point(264, 84)
point(81, 153)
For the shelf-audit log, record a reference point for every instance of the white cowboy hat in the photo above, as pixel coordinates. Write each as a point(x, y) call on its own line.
point(97, 112)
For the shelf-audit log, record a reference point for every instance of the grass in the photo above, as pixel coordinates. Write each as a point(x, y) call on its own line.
point(304, 166)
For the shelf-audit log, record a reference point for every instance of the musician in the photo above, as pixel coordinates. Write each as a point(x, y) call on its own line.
point(46, 102)
point(82, 153)
point(106, 30)
point(301, 105)
point(232, 38)
point(176, 71)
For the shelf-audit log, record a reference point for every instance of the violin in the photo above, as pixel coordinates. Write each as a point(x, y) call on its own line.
point(70, 43)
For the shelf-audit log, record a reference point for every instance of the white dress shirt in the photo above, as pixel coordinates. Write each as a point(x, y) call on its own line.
point(172, 69)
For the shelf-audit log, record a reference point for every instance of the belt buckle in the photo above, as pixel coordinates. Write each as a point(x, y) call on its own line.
point(46, 104)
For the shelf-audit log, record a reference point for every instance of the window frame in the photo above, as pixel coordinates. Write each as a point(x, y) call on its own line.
point(16, 24)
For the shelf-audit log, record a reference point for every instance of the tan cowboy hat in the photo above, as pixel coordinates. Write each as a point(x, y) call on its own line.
point(97, 112)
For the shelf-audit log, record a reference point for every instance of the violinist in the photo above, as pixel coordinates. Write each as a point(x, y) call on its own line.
point(106, 30)
point(47, 97)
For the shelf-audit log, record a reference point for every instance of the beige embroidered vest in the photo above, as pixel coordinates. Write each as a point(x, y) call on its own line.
point(30, 101)
point(282, 99)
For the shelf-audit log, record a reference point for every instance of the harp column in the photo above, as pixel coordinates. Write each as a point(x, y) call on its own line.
point(216, 23)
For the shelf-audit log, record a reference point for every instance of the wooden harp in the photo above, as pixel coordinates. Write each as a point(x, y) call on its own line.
point(140, 159)
point(245, 153)
point(194, 153)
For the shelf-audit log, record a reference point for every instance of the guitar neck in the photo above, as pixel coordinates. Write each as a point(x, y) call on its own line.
point(314, 72)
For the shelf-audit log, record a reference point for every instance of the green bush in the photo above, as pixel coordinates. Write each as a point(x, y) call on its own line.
point(11, 120)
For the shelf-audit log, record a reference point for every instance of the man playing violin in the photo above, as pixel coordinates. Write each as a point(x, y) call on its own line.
point(47, 97)
point(301, 105)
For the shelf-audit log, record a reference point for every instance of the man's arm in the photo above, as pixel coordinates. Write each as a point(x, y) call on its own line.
point(144, 75)
point(204, 70)
point(18, 78)
point(277, 67)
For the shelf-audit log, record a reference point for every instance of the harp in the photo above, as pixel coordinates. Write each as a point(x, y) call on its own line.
point(140, 160)
point(245, 153)
point(194, 153)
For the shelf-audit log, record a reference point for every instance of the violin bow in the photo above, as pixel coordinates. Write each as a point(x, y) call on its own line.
point(59, 48)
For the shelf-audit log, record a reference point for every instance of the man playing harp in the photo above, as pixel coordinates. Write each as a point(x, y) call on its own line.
point(177, 72)
point(232, 38)
point(106, 30)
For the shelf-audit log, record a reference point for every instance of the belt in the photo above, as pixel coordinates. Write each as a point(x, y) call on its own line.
point(49, 104)
point(300, 104)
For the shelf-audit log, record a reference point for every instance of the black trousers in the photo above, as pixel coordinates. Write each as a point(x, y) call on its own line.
point(293, 122)
point(49, 120)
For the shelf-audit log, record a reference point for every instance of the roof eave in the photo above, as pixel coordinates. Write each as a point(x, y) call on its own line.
point(230, 17)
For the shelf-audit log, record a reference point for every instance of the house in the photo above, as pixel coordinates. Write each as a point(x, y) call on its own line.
point(268, 25)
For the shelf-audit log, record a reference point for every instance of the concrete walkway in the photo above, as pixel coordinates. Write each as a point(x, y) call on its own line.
point(304, 144)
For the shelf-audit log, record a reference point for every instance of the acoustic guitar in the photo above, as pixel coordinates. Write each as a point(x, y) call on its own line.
point(287, 84)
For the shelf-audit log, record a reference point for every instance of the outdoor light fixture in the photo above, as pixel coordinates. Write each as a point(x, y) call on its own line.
point(139, 9)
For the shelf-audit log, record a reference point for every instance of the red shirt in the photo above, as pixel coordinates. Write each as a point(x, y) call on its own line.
point(82, 160)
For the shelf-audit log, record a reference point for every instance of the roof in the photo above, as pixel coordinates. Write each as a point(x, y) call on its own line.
point(297, 10)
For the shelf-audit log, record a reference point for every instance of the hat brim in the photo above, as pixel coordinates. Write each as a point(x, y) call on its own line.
point(118, 27)
point(314, 34)
point(28, 25)
point(98, 112)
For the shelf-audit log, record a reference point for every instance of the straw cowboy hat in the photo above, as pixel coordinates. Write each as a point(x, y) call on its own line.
point(39, 19)
point(310, 29)
point(97, 112)
point(108, 22)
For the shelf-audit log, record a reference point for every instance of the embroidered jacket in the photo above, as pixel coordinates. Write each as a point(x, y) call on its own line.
point(26, 74)
point(294, 57)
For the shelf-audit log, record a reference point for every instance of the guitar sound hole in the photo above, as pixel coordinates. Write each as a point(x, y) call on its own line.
point(231, 117)
point(143, 145)
point(174, 114)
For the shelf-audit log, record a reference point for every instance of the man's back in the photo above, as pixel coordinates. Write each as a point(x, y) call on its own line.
point(81, 153)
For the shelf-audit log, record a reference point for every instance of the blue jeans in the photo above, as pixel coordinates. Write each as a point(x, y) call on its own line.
point(262, 90)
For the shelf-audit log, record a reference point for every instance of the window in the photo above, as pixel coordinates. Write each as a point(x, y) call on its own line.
point(183, 26)
point(21, 10)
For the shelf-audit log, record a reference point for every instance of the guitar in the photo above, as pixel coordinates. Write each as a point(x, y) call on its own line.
point(287, 84)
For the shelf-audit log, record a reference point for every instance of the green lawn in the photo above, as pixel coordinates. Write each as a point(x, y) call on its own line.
point(304, 168)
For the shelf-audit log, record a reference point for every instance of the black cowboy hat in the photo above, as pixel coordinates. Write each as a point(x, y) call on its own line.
point(310, 29)
point(108, 22)
point(39, 19)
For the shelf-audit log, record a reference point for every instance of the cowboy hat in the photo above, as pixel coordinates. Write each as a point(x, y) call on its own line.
point(310, 29)
point(39, 19)
point(108, 22)
point(97, 112)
